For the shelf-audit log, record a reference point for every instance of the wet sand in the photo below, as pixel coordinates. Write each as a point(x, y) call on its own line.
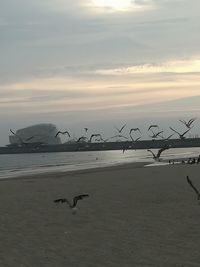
point(135, 216)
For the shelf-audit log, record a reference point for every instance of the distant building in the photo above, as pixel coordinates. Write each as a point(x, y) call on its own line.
point(43, 133)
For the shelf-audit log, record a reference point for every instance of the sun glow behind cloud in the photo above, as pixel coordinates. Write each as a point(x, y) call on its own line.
point(119, 5)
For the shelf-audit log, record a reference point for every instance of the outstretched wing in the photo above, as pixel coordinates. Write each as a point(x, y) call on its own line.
point(122, 128)
point(174, 130)
point(152, 153)
point(161, 150)
point(186, 132)
point(152, 126)
point(60, 200)
point(76, 198)
point(193, 187)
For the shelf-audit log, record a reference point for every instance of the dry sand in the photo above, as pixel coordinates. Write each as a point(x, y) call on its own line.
point(135, 216)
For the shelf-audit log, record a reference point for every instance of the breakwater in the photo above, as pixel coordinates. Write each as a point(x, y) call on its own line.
point(100, 146)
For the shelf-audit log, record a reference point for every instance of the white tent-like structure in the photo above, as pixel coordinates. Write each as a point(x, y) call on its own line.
point(40, 133)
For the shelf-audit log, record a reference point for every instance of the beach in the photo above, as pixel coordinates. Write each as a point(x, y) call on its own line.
point(134, 216)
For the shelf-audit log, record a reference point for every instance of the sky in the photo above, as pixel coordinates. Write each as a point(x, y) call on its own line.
point(99, 64)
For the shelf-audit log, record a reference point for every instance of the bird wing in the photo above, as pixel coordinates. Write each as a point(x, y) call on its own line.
point(152, 153)
point(62, 200)
point(122, 128)
point(169, 136)
point(184, 122)
point(76, 198)
point(161, 150)
point(66, 132)
point(12, 132)
point(186, 131)
point(152, 126)
point(57, 133)
point(174, 130)
point(194, 188)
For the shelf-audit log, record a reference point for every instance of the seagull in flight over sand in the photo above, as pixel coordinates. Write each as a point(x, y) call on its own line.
point(181, 135)
point(65, 132)
point(189, 123)
point(153, 126)
point(157, 156)
point(72, 205)
point(193, 187)
point(121, 129)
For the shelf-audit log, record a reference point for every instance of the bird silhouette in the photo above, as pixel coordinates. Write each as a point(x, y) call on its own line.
point(65, 132)
point(153, 126)
point(189, 123)
point(95, 135)
point(193, 187)
point(121, 129)
point(157, 156)
point(155, 135)
point(72, 205)
point(181, 135)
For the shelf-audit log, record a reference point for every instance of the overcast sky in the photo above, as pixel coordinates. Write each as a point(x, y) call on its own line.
point(99, 63)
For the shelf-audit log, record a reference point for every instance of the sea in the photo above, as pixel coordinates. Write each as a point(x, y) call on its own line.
point(14, 165)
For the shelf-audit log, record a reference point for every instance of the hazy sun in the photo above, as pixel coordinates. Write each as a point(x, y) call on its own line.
point(113, 4)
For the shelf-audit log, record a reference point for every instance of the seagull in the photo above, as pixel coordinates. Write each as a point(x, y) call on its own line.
point(82, 139)
point(59, 132)
point(180, 135)
point(73, 205)
point(94, 135)
point(189, 123)
point(121, 129)
point(134, 129)
point(153, 126)
point(155, 135)
point(157, 157)
point(193, 187)
point(86, 129)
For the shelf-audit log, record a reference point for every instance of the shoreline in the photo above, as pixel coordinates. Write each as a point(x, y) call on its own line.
point(78, 171)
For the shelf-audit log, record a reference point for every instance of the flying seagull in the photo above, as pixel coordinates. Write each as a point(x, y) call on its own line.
point(157, 156)
point(65, 132)
point(193, 187)
point(155, 135)
point(189, 123)
point(82, 139)
point(94, 135)
point(180, 135)
point(153, 126)
point(72, 205)
point(121, 129)
point(134, 129)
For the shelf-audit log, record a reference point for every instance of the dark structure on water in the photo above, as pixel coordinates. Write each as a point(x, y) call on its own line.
point(38, 147)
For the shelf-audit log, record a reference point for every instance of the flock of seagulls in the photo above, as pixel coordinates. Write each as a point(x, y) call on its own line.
point(135, 134)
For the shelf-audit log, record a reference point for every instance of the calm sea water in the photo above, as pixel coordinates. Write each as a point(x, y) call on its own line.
point(24, 164)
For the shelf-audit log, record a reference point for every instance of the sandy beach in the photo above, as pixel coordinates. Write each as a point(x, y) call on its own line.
point(134, 216)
